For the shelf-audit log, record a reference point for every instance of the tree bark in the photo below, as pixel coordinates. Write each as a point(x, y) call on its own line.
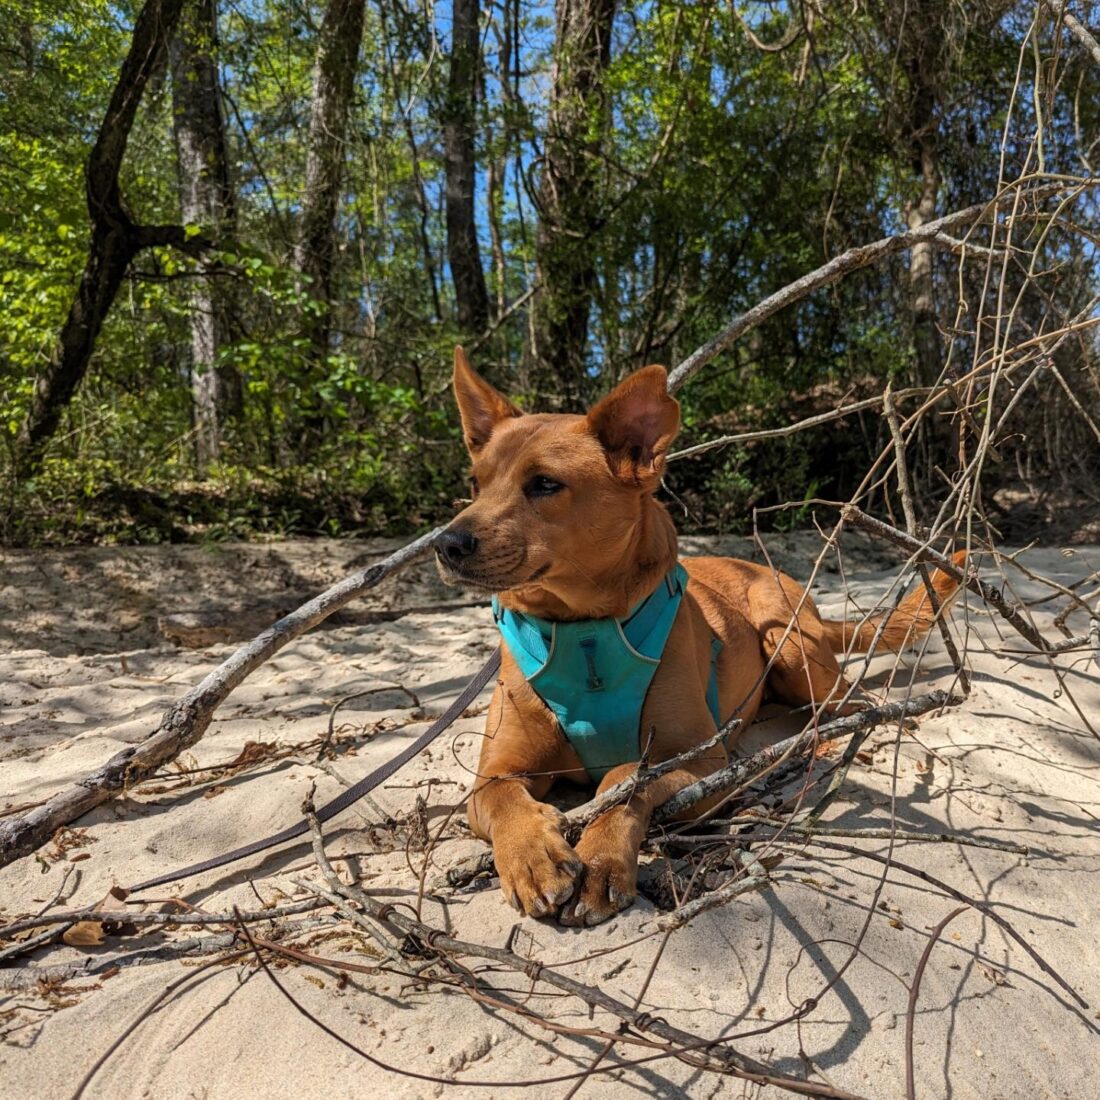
point(570, 213)
point(459, 128)
point(922, 138)
point(206, 199)
point(115, 239)
point(334, 73)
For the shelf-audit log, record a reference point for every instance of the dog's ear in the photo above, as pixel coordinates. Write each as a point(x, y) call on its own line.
point(481, 407)
point(636, 423)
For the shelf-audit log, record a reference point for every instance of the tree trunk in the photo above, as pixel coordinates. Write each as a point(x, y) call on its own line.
point(919, 32)
point(459, 127)
point(569, 187)
point(206, 199)
point(115, 239)
point(922, 292)
point(334, 73)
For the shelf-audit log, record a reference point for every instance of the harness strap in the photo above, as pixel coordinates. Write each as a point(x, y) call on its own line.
point(352, 795)
point(712, 685)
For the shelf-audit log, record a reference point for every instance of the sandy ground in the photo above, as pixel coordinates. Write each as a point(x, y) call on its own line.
point(87, 668)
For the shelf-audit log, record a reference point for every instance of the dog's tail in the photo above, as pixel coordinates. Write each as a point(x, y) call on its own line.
point(910, 620)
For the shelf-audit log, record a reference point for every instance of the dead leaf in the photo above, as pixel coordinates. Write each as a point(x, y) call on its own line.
point(91, 933)
point(895, 923)
point(997, 977)
point(65, 840)
point(213, 792)
point(85, 933)
point(253, 752)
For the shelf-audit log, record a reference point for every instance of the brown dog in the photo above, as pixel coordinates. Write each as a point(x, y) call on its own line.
point(564, 526)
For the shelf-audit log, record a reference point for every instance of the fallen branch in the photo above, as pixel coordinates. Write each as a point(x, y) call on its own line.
point(904, 835)
point(185, 722)
point(741, 772)
point(28, 978)
point(119, 916)
point(800, 425)
point(581, 816)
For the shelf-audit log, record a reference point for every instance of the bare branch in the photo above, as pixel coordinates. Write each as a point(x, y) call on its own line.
point(852, 260)
point(1076, 28)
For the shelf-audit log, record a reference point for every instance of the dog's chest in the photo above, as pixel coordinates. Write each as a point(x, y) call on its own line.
point(594, 675)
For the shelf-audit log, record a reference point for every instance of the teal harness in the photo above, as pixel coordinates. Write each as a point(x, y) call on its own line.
point(594, 674)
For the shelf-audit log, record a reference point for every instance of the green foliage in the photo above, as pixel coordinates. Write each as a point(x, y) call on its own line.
point(727, 172)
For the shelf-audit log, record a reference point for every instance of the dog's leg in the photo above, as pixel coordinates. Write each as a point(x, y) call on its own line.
point(522, 754)
point(609, 846)
point(804, 669)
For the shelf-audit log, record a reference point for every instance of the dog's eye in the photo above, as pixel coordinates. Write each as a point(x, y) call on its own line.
point(473, 486)
point(542, 486)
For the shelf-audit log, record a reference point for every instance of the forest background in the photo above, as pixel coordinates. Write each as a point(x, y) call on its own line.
point(240, 238)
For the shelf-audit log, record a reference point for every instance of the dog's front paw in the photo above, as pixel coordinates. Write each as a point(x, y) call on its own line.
point(538, 869)
point(609, 884)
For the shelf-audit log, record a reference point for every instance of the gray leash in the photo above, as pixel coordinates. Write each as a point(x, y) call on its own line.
point(351, 795)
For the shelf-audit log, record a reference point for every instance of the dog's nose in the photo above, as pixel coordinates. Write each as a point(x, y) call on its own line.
point(454, 546)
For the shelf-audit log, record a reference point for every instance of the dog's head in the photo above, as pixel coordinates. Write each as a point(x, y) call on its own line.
point(562, 511)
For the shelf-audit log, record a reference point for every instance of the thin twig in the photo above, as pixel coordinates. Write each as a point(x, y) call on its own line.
point(905, 489)
point(755, 879)
point(914, 990)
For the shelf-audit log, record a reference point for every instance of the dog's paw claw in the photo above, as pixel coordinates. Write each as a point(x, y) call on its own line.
point(566, 892)
point(539, 875)
point(606, 888)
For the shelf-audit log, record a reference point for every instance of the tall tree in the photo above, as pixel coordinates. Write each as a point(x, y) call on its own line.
point(919, 32)
point(459, 128)
point(570, 208)
point(115, 237)
point(334, 72)
point(206, 199)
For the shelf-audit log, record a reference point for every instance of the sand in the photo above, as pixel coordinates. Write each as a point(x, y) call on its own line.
point(87, 667)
